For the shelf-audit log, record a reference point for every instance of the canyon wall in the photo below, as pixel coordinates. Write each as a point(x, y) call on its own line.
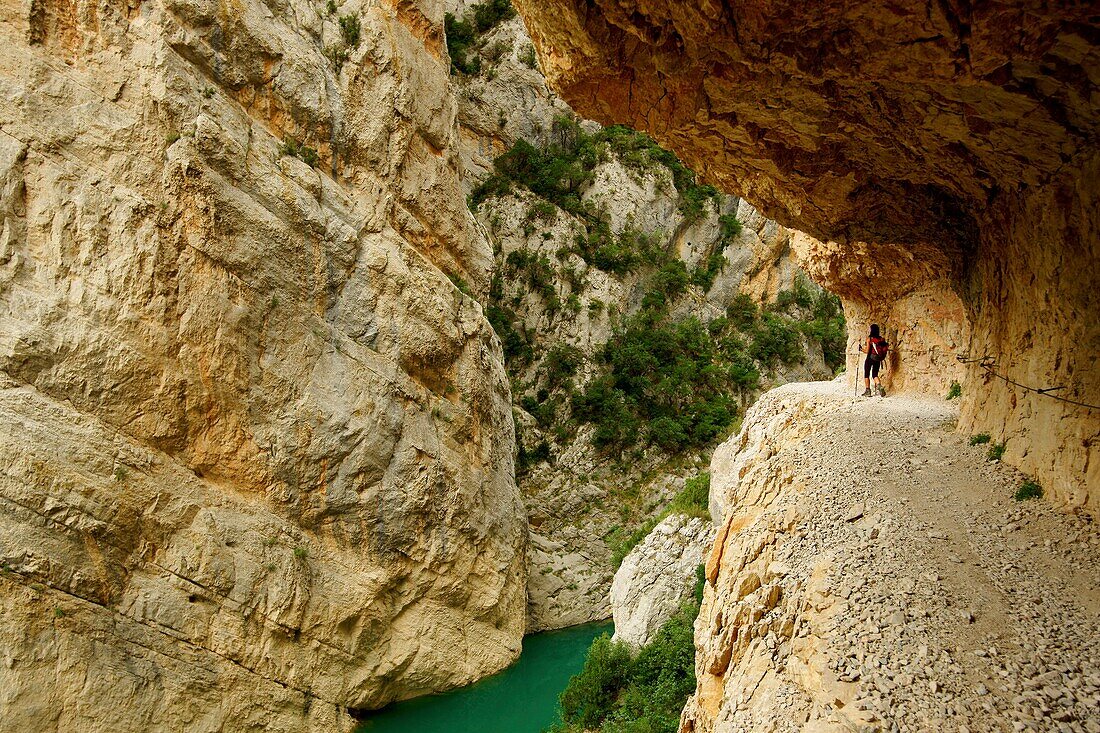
point(955, 145)
point(256, 448)
point(555, 307)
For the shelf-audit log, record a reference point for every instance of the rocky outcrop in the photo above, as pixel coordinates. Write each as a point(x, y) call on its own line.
point(578, 499)
point(658, 577)
point(872, 572)
point(956, 144)
point(257, 449)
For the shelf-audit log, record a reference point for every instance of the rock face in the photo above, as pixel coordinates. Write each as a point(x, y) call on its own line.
point(657, 577)
point(580, 499)
point(257, 449)
point(958, 144)
point(873, 572)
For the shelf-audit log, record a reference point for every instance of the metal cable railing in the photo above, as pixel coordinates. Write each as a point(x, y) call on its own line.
point(987, 364)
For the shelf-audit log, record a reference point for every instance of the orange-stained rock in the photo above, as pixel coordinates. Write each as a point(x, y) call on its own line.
point(960, 139)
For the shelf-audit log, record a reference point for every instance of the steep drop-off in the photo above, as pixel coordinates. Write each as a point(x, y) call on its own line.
point(876, 572)
point(256, 454)
point(950, 148)
point(591, 227)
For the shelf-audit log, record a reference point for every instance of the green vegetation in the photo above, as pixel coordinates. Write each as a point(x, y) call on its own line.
point(528, 57)
point(349, 27)
point(665, 382)
point(303, 153)
point(730, 227)
point(58, 612)
point(706, 272)
point(996, 451)
point(559, 173)
point(1028, 490)
point(300, 553)
point(464, 35)
point(693, 500)
point(979, 439)
point(955, 391)
point(461, 284)
point(617, 692)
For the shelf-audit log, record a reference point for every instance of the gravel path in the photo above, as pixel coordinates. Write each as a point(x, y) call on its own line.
point(959, 608)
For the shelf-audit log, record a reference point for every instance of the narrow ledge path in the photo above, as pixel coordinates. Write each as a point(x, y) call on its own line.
point(875, 573)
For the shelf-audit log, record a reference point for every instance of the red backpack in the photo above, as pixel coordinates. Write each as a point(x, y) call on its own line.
point(877, 349)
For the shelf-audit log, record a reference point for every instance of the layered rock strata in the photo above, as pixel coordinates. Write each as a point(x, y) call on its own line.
point(872, 572)
point(257, 449)
point(960, 141)
point(658, 577)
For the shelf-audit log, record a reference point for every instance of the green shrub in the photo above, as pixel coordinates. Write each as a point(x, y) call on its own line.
point(590, 696)
point(979, 439)
point(304, 153)
point(560, 171)
point(955, 391)
point(615, 693)
point(528, 57)
point(742, 312)
point(301, 553)
point(1028, 490)
point(774, 339)
point(621, 543)
point(705, 274)
point(516, 343)
point(461, 284)
point(561, 363)
point(729, 226)
point(996, 451)
point(349, 26)
point(491, 12)
point(694, 498)
point(666, 375)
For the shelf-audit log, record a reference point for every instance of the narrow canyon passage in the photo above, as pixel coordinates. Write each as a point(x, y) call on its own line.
point(875, 569)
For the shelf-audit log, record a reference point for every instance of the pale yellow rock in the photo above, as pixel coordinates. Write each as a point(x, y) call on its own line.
point(257, 449)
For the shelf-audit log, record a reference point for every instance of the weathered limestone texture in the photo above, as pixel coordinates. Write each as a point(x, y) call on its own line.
point(960, 139)
point(874, 573)
point(256, 451)
point(922, 317)
point(575, 499)
point(658, 577)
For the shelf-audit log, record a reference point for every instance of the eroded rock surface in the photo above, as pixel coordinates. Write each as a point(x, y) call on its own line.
point(960, 141)
point(580, 498)
point(258, 450)
point(658, 577)
point(874, 573)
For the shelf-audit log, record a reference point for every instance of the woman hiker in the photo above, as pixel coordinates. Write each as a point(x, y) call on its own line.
point(877, 348)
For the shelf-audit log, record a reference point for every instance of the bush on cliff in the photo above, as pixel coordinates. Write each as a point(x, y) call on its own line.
point(617, 692)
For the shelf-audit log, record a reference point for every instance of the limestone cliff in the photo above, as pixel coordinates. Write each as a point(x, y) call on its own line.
point(658, 577)
point(874, 573)
point(556, 306)
point(950, 148)
point(256, 449)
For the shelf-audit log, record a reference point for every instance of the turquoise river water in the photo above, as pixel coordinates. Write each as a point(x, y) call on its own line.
point(521, 699)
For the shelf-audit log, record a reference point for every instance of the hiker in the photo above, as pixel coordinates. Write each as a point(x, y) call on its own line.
point(877, 349)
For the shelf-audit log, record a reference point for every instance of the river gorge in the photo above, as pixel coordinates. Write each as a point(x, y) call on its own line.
point(361, 359)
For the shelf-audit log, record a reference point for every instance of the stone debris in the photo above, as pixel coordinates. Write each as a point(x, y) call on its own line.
point(941, 622)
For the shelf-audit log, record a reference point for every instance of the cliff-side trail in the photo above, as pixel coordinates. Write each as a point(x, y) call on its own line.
point(874, 572)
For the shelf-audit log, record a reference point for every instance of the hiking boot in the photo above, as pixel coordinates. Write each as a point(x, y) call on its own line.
point(867, 393)
point(881, 391)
